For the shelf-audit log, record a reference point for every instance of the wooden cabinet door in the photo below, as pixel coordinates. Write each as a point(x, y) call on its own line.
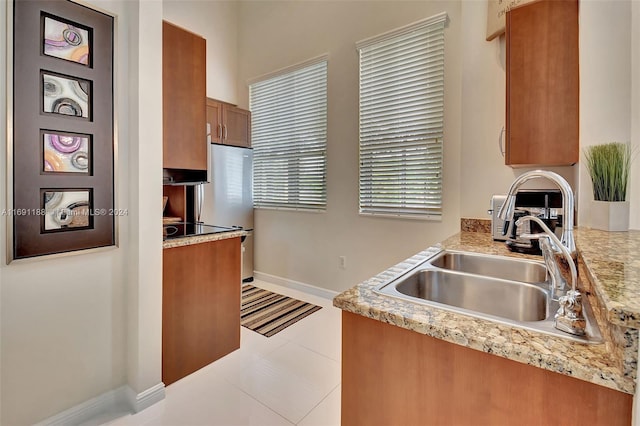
point(236, 126)
point(183, 99)
point(229, 124)
point(542, 124)
point(214, 121)
point(201, 286)
point(395, 376)
point(227, 299)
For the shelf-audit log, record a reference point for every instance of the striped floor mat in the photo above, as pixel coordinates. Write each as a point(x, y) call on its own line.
point(268, 313)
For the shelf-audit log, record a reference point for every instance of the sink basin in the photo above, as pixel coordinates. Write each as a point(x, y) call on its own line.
point(492, 266)
point(500, 289)
point(508, 299)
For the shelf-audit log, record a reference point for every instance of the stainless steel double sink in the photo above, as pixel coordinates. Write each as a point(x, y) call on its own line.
point(500, 289)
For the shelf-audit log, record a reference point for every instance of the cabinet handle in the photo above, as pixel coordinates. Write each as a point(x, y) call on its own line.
point(225, 131)
point(500, 139)
point(219, 131)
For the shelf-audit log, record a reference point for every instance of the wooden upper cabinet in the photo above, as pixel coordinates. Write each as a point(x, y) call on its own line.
point(237, 126)
point(214, 121)
point(183, 99)
point(229, 124)
point(542, 124)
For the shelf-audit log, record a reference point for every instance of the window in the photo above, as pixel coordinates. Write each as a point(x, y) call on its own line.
point(289, 137)
point(401, 121)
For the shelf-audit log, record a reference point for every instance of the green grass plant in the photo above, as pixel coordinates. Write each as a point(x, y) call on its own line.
point(609, 166)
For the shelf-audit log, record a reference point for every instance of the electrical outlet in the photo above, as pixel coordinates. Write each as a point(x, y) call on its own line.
point(343, 262)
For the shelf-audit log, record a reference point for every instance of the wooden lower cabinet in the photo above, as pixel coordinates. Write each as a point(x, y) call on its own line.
point(201, 287)
point(394, 376)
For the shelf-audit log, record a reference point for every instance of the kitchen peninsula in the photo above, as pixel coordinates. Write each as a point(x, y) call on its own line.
point(404, 361)
point(200, 301)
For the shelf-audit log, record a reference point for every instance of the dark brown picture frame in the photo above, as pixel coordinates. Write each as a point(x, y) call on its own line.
point(30, 120)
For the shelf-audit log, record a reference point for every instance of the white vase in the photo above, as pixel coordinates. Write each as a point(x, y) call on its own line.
point(610, 215)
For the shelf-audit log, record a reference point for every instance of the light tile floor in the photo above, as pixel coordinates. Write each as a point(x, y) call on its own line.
point(291, 378)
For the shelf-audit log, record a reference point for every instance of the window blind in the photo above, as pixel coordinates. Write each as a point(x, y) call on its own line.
point(401, 121)
point(289, 138)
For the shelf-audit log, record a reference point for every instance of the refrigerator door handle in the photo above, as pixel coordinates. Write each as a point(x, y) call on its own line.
point(199, 189)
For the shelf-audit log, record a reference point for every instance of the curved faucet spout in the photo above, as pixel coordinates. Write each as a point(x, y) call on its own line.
point(507, 209)
point(569, 317)
point(549, 233)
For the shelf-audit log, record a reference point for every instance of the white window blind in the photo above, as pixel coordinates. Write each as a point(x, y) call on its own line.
point(401, 121)
point(289, 138)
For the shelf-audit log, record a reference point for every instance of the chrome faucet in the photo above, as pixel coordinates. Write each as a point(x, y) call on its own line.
point(507, 209)
point(569, 317)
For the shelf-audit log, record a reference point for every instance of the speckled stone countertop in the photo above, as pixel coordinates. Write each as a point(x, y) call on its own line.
point(197, 239)
point(613, 261)
point(598, 363)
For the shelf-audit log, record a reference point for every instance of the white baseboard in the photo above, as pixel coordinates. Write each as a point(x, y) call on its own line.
point(122, 399)
point(145, 399)
point(295, 285)
point(87, 410)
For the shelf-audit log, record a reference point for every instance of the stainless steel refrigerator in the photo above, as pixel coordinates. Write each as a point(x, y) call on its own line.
point(228, 197)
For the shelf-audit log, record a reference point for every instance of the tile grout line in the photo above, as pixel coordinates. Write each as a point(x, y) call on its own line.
point(320, 402)
point(263, 357)
point(258, 401)
point(318, 353)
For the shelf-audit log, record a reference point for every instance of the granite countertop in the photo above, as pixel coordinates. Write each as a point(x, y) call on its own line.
point(613, 261)
point(595, 363)
point(197, 239)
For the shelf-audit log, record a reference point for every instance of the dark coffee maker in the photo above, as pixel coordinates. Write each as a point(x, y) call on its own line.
point(544, 204)
point(524, 245)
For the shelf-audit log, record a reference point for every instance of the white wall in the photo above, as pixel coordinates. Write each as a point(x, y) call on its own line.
point(483, 172)
point(65, 321)
point(64, 341)
point(605, 83)
point(483, 113)
point(217, 22)
point(305, 246)
point(634, 216)
point(605, 102)
point(76, 327)
point(3, 181)
point(143, 79)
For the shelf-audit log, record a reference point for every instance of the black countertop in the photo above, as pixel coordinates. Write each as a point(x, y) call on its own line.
point(187, 229)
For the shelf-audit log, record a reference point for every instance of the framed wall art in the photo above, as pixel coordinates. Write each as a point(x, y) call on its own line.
point(62, 195)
